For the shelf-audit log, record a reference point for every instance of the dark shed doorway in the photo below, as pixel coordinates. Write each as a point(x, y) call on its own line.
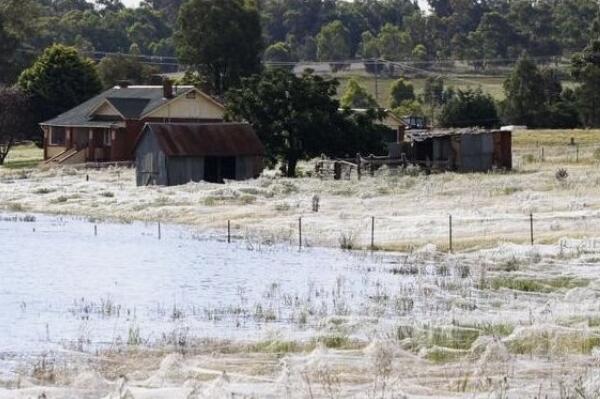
point(216, 169)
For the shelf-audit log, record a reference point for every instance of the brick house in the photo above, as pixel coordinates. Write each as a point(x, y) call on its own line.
point(105, 128)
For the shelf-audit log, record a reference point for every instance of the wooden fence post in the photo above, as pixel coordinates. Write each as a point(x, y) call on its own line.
point(95, 230)
point(299, 233)
point(159, 233)
point(531, 226)
point(372, 233)
point(450, 232)
point(228, 232)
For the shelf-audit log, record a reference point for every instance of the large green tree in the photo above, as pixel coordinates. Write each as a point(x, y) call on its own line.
point(297, 117)
point(401, 91)
point(525, 102)
point(115, 68)
point(15, 119)
point(586, 70)
point(470, 108)
point(333, 42)
point(8, 47)
point(221, 39)
point(59, 80)
point(356, 96)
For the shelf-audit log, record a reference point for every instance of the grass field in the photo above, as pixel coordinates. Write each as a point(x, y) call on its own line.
point(24, 156)
point(498, 318)
point(489, 84)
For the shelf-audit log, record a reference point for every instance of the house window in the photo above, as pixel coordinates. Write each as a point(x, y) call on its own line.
point(106, 138)
point(57, 136)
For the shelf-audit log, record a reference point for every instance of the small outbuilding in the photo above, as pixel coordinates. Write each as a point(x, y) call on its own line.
point(464, 150)
point(169, 154)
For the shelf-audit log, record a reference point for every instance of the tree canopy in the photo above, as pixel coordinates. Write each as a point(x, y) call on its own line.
point(356, 96)
point(297, 117)
point(15, 119)
point(470, 108)
point(115, 68)
point(59, 80)
point(221, 39)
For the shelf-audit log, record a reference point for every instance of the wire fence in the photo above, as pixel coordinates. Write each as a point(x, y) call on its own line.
point(403, 233)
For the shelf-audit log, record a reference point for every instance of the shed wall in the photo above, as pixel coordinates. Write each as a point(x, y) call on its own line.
point(477, 152)
point(182, 170)
point(150, 161)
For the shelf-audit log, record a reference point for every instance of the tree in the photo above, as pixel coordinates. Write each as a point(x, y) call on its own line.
point(115, 68)
point(496, 37)
point(297, 117)
point(8, 47)
point(586, 70)
point(400, 92)
point(59, 80)
point(333, 43)
point(469, 108)
point(355, 96)
point(221, 39)
point(526, 100)
point(394, 44)
point(280, 54)
point(433, 91)
point(15, 119)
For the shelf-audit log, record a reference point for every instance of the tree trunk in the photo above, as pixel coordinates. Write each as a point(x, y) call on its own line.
point(291, 167)
point(4, 149)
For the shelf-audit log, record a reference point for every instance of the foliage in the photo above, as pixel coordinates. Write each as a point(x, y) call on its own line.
point(586, 69)
point(221, 39)
point(400, 92)
point(470, 108)
point(536, 98)
point(115, 68)
point(297, 117)
point(192, 78)
point(333, 44)
point(525, 100)
point(355, 96)
point(433, 92)
point(58, 80)
point(408, 108)
point(279, 52)
point(15, 119)
point(8, 48)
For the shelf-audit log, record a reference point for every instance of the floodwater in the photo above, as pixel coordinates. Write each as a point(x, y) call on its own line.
point(63, 286)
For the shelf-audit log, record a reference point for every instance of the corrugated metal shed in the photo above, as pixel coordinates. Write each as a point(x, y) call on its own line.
point(424, 134)
point(208, 139)
point(171, 153)
point(468, 149)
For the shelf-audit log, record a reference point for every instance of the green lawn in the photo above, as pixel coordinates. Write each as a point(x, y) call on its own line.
point(24, 156)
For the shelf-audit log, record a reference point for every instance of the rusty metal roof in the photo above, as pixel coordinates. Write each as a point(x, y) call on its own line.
point(424, 134)
point(206, 139)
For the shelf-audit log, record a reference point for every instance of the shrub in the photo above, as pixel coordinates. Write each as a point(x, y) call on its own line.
point(561, 174)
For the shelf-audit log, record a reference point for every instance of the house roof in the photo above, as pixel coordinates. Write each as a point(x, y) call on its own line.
point(206, 139)
point(132, 102)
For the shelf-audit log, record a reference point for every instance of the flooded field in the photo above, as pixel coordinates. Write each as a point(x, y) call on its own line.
point(64, 285)
point(170, 315)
